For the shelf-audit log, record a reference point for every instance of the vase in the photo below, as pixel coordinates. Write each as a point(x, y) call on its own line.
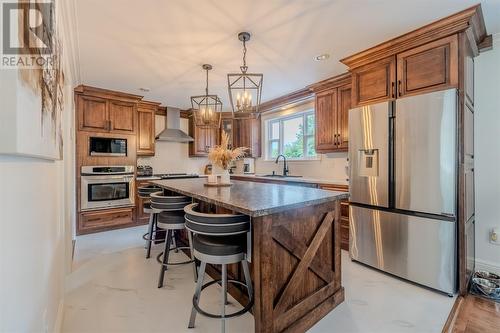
point(222, 174)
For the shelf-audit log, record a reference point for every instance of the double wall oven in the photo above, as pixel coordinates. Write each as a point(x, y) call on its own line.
point(107, 187)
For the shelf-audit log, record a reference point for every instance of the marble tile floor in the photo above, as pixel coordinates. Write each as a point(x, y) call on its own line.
point(113, 289)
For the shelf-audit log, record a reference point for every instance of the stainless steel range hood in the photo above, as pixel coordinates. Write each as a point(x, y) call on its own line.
point(172, 131)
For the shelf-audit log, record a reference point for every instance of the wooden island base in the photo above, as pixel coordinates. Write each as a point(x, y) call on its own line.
point(295, 267)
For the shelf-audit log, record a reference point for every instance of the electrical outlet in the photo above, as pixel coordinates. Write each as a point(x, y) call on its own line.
point(495, 236)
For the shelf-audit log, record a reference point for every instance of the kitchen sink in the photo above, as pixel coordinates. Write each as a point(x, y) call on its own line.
point(281, 176)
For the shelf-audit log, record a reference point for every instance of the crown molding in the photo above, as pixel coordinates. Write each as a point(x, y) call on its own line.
point(459, 22)
point(69, 28)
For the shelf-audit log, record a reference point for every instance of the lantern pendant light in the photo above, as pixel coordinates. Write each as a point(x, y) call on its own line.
point(206, 108)
point(245, 89)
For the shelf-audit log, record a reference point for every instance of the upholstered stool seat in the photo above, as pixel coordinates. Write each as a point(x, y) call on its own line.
point(219, 246)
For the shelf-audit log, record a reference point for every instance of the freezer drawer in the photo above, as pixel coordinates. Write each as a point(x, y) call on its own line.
point(369, 154)
point(425, 153)
point(418, 249)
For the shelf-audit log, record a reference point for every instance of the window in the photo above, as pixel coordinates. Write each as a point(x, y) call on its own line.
point(292, 136)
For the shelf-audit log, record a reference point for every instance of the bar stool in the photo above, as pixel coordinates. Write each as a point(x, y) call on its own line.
point(218, 239)
point(169, 212)
point(145, 192)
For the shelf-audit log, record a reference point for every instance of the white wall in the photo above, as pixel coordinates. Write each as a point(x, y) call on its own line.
point(37, 213)
point(328, 166)
point(487, 154)
point(173, 157)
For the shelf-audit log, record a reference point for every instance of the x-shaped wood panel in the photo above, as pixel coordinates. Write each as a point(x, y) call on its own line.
point(306, 255)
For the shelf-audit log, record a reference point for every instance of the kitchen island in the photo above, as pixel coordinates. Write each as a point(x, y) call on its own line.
point(295, 248)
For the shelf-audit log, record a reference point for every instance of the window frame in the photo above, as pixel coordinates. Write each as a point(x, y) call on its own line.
point(280, 120)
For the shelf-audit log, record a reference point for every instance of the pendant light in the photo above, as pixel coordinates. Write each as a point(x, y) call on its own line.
point(206, 108)
point(245, 89)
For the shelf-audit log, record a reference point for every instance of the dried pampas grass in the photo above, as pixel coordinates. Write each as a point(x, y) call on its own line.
point(222, 156)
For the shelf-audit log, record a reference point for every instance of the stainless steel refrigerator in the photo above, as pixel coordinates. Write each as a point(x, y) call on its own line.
point(403, 188)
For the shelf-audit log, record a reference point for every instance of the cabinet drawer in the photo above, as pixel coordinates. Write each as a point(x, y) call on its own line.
point(103, 219)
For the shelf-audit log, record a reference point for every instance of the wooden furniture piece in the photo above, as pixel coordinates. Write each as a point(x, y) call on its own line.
point(295, 263)
point(101, 110)
point(472, 314)
point(435, 57)
point(344, 213)
point(109, 114)
point(146, 112)
point(247, 133)
point(332, 104)
point(344, 204)
point(204, 138)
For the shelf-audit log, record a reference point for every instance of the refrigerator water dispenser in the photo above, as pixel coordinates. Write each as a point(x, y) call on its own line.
point(368, 163)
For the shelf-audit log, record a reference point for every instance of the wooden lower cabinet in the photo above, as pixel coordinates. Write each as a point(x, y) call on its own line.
point(101, 220)
point(344, 214)
point(140, 216)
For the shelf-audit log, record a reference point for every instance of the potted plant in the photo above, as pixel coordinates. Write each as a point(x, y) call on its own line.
point(222, 156)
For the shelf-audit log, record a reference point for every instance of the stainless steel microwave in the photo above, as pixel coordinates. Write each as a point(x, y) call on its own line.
point(100, 146)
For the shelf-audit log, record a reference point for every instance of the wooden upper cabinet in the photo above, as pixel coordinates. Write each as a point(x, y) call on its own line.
point(374, 82)
point(247, 133)
point(146, 129)
point(326, 121)
point(430, 67)
point(344, 104)
point(102, 110)
point(93, 113)
point(204, 138)
point(122, 116)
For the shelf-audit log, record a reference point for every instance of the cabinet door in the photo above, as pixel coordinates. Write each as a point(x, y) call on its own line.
point(374, 82)
point(92, 113)
point(145, 132)
point(430, 67)
point(227, 127)
point(247, 134)
point(344, 104)
point(122, 116)
point(326, 121)
point(198, 147)
point(212, 137)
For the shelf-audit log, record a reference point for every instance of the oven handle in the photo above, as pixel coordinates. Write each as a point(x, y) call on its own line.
point(104, 178)
point(106, 174)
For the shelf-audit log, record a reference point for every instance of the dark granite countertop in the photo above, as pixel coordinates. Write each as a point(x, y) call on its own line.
point(251, 198)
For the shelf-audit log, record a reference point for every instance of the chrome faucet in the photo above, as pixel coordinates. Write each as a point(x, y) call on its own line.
point(285, 166)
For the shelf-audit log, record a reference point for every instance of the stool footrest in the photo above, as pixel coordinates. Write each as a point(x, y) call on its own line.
point(230, 315)
point(160, 261)
point(153, 239)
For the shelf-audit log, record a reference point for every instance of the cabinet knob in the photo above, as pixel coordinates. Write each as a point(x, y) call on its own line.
point(399, 88)
point(393, 89)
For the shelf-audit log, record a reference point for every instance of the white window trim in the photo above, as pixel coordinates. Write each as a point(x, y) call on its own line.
point(281, 118)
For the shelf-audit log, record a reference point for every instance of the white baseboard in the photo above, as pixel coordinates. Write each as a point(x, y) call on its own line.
point(482, 265)
point(60, 317)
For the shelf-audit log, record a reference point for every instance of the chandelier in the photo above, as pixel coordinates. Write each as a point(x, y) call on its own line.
point(206, 108)
point(245, 89)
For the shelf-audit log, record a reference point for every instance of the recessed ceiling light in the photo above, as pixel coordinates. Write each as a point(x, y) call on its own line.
point(322, 57)
point(143, 89)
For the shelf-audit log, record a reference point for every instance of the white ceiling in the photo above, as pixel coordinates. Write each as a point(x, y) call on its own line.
point(161, 44)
